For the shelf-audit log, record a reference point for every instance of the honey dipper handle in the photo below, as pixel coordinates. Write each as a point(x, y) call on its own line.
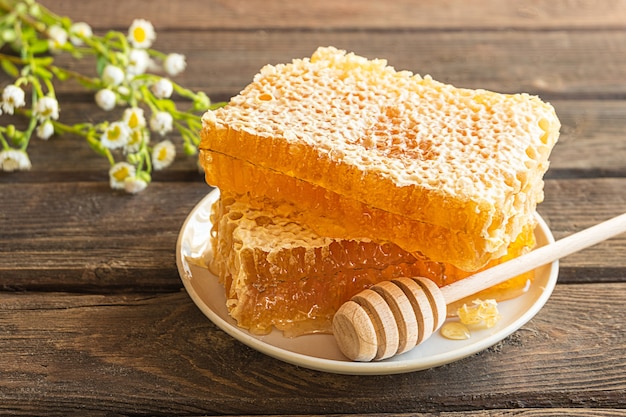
point(534, 259)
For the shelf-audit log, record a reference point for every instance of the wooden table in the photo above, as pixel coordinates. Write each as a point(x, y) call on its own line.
point(93, 316)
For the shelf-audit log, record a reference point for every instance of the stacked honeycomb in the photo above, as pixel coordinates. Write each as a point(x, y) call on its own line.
point(363, 153)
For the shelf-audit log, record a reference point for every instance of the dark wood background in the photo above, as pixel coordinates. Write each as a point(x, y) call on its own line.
point(93, 317)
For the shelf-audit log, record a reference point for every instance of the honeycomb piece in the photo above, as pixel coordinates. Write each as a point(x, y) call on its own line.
point(330, 214)
point(480, 313)
point(358, 133)
point(279, 273)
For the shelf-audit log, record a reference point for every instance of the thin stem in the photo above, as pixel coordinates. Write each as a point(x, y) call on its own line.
point(5, 144)
point(28, 133)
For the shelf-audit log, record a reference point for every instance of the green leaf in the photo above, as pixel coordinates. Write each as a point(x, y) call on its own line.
point(42, 72)
point(166, 105)
point(39, 46)
point(10, 68)
point(45, 61)
point(27, 33)
point(101, 62)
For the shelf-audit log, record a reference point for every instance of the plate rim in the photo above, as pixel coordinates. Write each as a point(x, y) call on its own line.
point(348, 367)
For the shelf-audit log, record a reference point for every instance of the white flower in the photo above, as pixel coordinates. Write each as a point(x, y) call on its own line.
point(163, 88)
point(106, 99)
point(45, 130)
point(57, 38)
point(115, 136)
point(13, 159)
point(133, 117)
point(12, 98)
point(136, 138)
point(118, 174)
point(138, 61)
point(134, 185)
point(80, 31)
point(174, 64)
point(47, 108)
point(112, 75)
point(163, 155)
point(161, 122)
point(141, 33)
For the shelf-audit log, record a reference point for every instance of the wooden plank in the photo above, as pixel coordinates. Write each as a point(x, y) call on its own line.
point(349, 14)
point(573, 205)
point(538, 62)
point(157, 355)
point(83, 236)
point(592, 141)
point(87, 236)
point(545, 63)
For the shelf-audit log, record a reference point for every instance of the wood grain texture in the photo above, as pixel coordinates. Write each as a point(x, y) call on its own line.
point(84, 236)
point(351, 14)
point(547, 63)
point(157, 354)
point(93, 319)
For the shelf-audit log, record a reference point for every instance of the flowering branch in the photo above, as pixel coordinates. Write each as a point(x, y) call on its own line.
point(126, 67)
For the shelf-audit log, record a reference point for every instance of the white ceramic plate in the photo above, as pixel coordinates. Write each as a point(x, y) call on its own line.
point(320, 352)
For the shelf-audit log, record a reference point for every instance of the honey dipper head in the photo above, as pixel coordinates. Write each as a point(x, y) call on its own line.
point(389, 319)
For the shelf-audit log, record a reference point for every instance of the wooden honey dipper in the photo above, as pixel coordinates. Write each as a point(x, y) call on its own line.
point(393, 317)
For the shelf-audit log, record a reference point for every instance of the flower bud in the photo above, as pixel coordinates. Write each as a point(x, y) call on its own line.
point(112, 75)
point(145, 176)
point(133, 158)
point(189, 149)
point(45, 130)
point(174, 64)
point(11, 131)
point(201, 101)
point(106, 99)
point(9, 35)
point(162, 88)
